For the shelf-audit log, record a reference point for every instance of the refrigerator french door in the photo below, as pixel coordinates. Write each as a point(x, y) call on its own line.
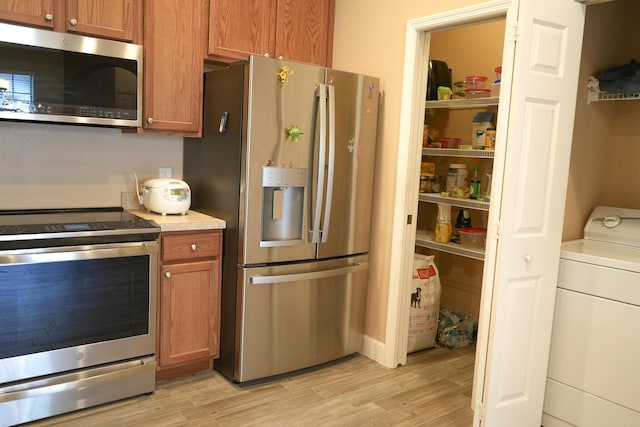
point(286, 159)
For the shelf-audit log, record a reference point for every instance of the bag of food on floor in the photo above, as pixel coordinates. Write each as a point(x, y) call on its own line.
point(425, 303)
point(456, 329)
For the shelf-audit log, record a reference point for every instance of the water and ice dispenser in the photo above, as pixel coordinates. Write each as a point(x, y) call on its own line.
point(283, 192)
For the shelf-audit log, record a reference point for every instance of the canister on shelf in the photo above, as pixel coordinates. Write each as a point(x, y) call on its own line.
point(490, 139)
point(424, 184)
point(481, 122)
point(458, 180)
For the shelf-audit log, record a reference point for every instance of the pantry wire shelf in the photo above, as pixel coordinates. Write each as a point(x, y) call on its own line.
point(595, 96)
point(463, 103)
point(454, 201)
point(456, 152)
point(424, 239)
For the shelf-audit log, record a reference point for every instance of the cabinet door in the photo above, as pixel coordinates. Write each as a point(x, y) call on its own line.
point(304, 30)
point(174, 39)
point(189, 312)
point(115, 19)
point(38, 13)
point(239, 28)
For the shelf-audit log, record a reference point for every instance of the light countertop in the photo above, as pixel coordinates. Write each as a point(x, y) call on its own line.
point(191, 221)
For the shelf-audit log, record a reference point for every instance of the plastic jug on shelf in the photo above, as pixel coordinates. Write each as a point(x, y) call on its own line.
point(443, 229)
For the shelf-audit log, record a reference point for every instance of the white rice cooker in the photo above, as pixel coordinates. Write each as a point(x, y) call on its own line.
point(166, 196)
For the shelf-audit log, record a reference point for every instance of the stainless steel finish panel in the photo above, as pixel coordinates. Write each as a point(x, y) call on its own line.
point(273, 107)
point(356, 118)
point(26, 36)
point(66, 359)
point(300, 315)
point(32, 400)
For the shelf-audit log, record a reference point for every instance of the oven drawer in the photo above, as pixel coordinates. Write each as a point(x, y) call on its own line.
point(190, 245)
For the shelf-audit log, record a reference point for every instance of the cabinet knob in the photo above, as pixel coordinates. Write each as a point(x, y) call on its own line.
point(167, 275)
point(194, 247)
point(73, 22)
point(266, 55)
point(528, 257)
point(48, 17)
point(150, 120)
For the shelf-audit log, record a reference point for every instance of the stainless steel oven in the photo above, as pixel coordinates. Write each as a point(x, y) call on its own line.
point(77, 309)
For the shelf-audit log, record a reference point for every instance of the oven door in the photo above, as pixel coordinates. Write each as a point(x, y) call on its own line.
point(67, 308)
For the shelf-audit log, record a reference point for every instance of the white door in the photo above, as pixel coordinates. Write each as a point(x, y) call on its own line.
point(510, 381)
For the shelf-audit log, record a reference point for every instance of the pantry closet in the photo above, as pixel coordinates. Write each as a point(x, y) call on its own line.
point(512, 286)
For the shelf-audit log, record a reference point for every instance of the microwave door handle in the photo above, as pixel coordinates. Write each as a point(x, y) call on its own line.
point(321, 95)
point(332, 156)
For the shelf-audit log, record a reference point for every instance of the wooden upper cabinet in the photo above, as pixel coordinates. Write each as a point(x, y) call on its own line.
point(300, 30)
point(305, 30)
point(113, 19)
point(174, 51)
point(36, 13)
point(239, 28)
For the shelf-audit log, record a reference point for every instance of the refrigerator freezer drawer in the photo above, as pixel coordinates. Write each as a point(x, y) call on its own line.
point(297, 316)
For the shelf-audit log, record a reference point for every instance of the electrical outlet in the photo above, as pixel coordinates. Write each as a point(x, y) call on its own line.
point(164, 172)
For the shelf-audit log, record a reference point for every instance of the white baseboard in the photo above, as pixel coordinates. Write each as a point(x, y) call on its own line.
point(375, 350)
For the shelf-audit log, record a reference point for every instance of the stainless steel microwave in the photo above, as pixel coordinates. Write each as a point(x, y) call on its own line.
point(48, 76)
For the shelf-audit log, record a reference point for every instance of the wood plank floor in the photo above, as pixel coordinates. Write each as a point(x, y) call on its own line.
point(433, 389)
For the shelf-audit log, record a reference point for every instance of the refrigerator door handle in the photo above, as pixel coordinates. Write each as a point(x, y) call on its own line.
point(332, 155)
point(264, 280)
point(321, 94)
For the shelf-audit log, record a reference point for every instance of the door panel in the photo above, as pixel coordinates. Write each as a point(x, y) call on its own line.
point(39, 13)
point(228, 39)
point(300, 315)
point(278, 178)
point(540, 126)
point(356, 115)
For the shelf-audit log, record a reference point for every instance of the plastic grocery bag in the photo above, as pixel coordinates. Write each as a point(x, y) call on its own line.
point(424, 296)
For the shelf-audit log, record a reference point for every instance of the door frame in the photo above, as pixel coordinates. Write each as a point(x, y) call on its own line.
point(415, 73)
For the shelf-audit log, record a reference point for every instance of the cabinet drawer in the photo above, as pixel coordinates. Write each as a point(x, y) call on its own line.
point(190, 245)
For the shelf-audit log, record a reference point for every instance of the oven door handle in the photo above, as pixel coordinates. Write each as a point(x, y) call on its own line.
point(75, 253)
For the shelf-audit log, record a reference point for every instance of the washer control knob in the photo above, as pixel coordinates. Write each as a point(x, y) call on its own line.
point(611, 221)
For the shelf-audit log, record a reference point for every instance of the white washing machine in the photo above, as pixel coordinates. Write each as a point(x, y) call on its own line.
point(594, 365)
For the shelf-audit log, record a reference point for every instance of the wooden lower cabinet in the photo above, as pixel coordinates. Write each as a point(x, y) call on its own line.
point(188, 321)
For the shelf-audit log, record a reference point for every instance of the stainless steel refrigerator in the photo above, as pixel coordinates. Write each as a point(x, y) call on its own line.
point(287, 159)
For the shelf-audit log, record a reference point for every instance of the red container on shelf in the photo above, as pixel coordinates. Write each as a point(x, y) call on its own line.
point(446, 142)
point(473, 237)
point(475, 82)
point(477, 93)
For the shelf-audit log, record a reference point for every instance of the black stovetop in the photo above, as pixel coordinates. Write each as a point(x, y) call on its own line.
point(47, 224)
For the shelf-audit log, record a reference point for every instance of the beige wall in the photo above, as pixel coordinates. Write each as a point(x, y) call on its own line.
point(369, 38)
point(59, 166)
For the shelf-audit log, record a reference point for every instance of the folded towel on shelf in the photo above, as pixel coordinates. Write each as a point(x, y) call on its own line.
point(622, 79)
point(593, 84)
